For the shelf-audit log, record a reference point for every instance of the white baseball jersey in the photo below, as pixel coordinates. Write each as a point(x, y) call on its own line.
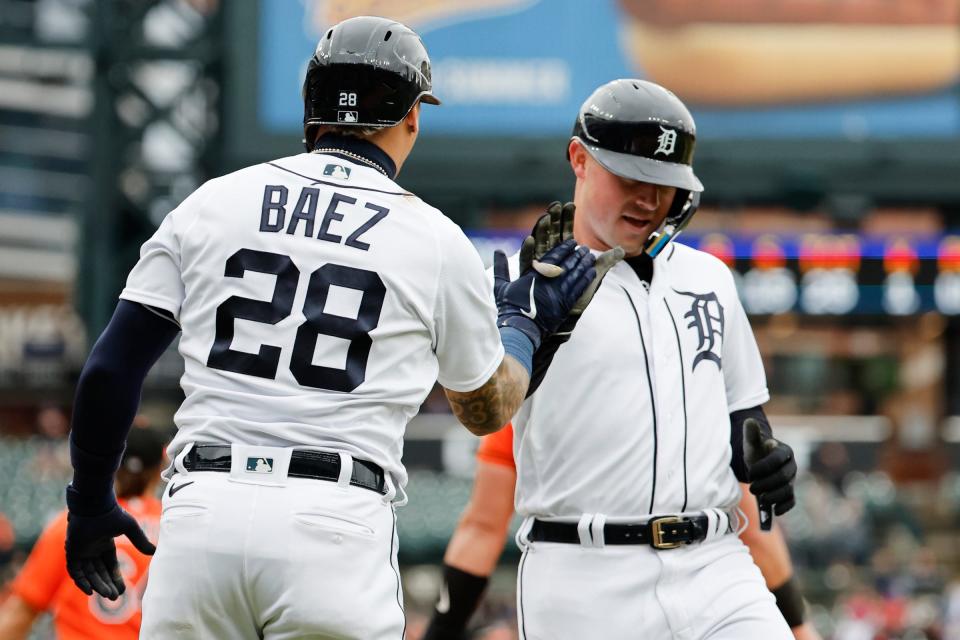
point(632, 417)
point(319, 303)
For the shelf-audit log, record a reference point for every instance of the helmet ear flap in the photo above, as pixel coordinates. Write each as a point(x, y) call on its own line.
point(682, 208)
point(685, 204)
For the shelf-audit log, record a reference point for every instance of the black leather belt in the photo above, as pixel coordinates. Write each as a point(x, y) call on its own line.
point(665, 532)
point(319, 465)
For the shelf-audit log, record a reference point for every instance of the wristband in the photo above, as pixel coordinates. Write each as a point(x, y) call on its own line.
point(516, 343)
point(790, 602)
point(459, 599)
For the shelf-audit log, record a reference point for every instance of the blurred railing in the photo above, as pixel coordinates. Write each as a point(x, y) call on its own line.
point(44, 100)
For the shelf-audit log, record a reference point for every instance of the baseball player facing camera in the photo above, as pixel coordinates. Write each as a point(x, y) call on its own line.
point(641, 423)
point(317, 303)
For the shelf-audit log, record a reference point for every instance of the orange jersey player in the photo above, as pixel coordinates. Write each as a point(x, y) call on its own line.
point(43, 583)
point(476, 545)
point(497, 448)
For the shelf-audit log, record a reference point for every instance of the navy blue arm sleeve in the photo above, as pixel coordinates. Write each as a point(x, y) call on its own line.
point(108, 396)
point(737, 418)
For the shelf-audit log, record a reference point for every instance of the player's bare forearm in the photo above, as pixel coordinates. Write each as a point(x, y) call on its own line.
point(490, 407)
point(16, 618)
point(806, 632)
point(480, 536)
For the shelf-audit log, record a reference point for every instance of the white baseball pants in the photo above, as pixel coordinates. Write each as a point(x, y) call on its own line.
point(704, 591)
point(244, 556)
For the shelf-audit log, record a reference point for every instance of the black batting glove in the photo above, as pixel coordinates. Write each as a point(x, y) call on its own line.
point(536, 304)
point(771, 469)
point(91, 551)
point(460, 596)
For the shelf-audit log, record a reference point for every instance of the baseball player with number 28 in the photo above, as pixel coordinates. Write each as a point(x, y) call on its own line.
point(318, 303)
point(641, 422)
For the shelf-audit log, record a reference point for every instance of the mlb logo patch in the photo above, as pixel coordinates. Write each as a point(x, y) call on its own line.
point(347, 116)
point(337, 171)
point(260, 465)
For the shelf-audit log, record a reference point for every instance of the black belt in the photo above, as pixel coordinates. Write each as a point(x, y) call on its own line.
point(665, 532)
point(319, 465)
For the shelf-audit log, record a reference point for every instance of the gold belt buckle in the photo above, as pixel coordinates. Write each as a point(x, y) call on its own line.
point(656, 531)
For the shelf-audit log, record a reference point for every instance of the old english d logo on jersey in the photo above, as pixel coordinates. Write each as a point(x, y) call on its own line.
point(706, 319)
point(260, 465)
point(667, 141)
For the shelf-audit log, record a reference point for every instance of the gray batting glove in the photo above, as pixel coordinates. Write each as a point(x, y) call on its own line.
point(551, 229)
point(605, 262)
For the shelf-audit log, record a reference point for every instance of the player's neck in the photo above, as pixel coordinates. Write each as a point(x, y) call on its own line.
point(642, 265)
point(351, 148)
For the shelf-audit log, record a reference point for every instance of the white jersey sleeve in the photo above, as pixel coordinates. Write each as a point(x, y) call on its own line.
point(156, 278)
point(464, 307)
point(743, 374)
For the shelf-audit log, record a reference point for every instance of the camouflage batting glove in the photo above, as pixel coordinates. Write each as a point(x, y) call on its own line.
point(552, 228)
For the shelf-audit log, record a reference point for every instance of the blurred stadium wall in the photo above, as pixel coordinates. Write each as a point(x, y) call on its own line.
point(829, 144)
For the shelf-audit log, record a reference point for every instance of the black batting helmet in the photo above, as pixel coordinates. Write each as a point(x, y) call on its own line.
point(640, 131)
point(366, 72)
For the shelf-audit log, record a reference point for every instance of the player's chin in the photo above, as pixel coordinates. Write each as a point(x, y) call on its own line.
point(632, 236)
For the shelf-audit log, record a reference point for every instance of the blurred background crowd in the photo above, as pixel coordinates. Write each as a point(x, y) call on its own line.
point(828, 142)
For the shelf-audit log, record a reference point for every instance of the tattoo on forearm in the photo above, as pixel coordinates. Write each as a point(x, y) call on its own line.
point(492, 405)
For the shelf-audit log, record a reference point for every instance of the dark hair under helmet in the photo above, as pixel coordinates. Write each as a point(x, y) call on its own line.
point(640, 131)
point(367, 72)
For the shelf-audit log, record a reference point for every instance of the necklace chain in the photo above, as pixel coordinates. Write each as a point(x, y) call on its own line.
point(354, 156)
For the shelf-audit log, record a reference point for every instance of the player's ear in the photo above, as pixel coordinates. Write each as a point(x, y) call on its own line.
point(412, 121)
point(578, 159)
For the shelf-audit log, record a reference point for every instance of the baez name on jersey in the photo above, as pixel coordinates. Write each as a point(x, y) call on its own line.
point(274, 215)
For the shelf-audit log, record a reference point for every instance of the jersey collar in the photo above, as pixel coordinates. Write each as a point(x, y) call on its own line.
point(356, 151)
point(642, 265)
